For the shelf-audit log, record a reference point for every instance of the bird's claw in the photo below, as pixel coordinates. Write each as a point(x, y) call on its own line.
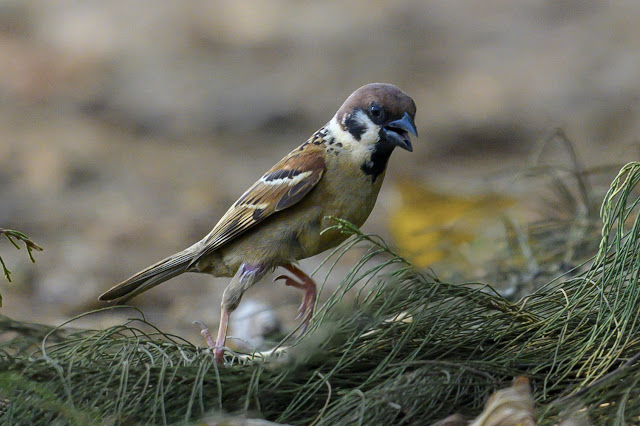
point(201, 324)
point(305, 310)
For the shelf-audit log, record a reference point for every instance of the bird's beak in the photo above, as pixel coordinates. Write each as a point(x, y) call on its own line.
point(397, 132)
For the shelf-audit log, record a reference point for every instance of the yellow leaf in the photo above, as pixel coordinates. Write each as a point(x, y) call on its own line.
point(429, 227)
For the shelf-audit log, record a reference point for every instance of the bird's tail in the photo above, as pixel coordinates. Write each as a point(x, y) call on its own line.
point(150, 277)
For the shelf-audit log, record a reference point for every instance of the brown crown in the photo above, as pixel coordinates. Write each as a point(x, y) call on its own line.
point(388, 96)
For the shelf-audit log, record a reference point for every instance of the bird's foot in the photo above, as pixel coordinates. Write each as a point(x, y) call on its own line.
point(305, 311)
point(218, 351)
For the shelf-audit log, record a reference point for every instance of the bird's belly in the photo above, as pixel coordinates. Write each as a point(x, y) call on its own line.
point(281, 239)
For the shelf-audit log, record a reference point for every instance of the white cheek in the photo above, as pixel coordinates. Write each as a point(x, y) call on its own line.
point(339, 133)
point(369, 137)
point(358, 150)
point(372, 135)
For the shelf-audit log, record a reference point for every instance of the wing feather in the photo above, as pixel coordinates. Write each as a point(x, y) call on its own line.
point(284, 185)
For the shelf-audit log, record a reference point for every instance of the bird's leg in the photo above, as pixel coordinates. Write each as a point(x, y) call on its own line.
point(309, 286)
point(218, 351)
point(218, 345)
point(246, 276)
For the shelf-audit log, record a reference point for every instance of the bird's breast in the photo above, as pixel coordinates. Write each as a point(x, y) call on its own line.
point(346, 193)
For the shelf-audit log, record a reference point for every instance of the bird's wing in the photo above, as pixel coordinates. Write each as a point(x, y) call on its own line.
point(282, 186)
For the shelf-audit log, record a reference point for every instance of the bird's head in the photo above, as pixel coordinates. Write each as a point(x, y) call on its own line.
point(379, 115)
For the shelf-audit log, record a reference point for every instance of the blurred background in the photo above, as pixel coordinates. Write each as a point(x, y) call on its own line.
point(127, 128)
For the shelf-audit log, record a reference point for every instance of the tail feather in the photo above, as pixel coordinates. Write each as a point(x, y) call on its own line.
point(150, 277)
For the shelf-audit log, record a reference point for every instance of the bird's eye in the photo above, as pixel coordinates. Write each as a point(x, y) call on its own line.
point(376, 111)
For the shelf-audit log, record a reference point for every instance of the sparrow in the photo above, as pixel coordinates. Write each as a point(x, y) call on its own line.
point(279, 220)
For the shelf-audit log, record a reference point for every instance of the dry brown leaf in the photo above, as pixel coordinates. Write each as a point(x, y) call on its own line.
point(506, 407)
point(511, 406)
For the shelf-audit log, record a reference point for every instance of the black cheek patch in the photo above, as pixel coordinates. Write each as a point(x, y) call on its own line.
point(355, 127)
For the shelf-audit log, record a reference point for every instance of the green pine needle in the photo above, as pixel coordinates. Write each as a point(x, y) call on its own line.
point(410, 350)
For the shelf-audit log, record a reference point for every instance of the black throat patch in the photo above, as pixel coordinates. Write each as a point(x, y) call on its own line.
point(379, 159)
point(353, 126)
